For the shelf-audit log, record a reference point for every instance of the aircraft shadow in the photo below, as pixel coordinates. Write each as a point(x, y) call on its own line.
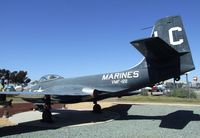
point(175, 120)
point(62, 118)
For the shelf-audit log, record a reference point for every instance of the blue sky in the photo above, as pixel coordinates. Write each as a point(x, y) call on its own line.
point(76, 38)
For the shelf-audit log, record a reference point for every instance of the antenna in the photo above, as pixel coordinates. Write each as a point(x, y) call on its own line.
point(149, 27)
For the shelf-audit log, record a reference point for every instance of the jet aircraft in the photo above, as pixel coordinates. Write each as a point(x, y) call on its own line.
point(166, 55)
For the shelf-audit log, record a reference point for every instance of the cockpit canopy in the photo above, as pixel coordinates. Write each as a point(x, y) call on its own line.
point(50, 77)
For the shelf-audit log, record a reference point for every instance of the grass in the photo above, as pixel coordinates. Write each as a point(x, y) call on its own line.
point(159, 99)
point(16, 100)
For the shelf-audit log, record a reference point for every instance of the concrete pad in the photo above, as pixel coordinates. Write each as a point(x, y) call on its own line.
point(6, 122)
point(62, 118)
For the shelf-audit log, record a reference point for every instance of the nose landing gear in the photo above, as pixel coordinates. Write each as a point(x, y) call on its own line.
point(96, 107)
point(46, 114)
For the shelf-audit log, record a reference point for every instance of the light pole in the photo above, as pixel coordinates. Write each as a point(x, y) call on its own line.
point(187, 82)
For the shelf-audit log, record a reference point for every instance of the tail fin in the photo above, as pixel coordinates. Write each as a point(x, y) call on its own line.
point(171, 30)
point(167, 52)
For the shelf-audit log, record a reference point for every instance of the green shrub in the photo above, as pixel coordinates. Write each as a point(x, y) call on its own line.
point(182, 93)
point(144, 93)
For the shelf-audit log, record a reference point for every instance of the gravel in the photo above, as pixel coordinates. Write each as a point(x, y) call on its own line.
point(141, 121)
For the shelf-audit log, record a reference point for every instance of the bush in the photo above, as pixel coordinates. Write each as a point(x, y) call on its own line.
point(144, 93)
point(182, 93)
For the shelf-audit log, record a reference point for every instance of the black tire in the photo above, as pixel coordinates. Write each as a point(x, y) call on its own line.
point(97, 108)
point(177, 78)
point(47, 116)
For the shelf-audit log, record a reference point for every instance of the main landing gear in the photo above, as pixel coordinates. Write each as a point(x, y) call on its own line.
point(46, 114)
point(96, 107)
point(7, 108)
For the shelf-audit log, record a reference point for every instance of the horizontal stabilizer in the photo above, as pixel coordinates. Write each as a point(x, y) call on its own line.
point(155, 48)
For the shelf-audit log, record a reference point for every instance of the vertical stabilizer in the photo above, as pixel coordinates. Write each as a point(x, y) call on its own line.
point(171, 30)
point(167, 53)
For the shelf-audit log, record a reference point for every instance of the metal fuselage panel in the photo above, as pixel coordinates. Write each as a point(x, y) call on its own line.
point(110, 82)
point(116, 84)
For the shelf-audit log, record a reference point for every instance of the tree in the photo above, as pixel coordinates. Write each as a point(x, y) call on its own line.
point(17, 77)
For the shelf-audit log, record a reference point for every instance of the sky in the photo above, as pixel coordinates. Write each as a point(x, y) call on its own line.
point(85, 37)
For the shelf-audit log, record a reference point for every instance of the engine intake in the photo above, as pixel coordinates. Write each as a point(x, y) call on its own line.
point(90, 91)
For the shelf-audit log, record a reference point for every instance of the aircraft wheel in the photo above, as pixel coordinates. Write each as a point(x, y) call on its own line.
point(97, 108)
point(177, 78)
point(47, 116)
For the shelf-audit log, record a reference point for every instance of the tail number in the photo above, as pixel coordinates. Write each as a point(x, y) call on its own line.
point(171, 38)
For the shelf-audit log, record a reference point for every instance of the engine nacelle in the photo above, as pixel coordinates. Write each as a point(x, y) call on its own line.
point(90, 91)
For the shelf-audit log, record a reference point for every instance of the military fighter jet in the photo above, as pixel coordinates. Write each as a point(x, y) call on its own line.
point(166, 55)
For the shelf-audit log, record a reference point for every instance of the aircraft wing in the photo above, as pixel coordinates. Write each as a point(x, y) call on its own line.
point(63, 90)
point(71, 90)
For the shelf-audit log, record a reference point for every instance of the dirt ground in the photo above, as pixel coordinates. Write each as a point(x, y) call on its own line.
point(87, 105)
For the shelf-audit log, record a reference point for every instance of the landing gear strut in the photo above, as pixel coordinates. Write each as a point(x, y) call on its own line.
point(46, 114)
point(96, 107)
point(7, 106)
